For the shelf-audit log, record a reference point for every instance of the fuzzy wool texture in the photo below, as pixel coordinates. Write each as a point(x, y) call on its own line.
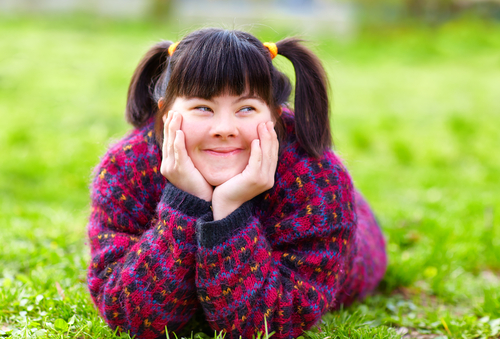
point(291, 254)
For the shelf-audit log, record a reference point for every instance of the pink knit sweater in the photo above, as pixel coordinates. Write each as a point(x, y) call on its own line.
point(288, 256)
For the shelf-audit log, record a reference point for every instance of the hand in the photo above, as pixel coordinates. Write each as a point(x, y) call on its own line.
point(176, 164)
point(256, 178)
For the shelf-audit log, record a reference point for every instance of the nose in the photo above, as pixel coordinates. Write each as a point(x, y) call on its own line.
point(224, 126)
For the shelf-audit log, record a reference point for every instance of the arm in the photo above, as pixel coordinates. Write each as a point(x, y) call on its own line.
point(141, 276)
point(286, 266)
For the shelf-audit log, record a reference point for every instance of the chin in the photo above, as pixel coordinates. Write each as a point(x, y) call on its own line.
point(217, 180)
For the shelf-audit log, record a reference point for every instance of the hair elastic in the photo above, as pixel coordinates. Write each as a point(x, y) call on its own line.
point(273, 49)
point(172, 47)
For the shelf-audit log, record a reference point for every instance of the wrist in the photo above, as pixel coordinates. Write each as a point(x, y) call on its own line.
point(207, 196)
point(198, 191)
point(222, 208)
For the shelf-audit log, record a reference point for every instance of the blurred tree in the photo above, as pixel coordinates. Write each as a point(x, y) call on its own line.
point(415, 7)
point(161, 9)
point(431, 9)
point(427, 10)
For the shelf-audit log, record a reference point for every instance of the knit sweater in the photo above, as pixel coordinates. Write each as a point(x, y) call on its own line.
point(287, 256)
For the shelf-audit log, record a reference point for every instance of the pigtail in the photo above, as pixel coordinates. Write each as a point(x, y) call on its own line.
point(141, 104)
point(312, 108)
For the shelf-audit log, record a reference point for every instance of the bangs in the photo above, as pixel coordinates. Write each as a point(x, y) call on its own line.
point(225, 62)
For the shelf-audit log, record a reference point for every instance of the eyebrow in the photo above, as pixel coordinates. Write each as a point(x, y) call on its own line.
point(244, 97)
point(196, 98)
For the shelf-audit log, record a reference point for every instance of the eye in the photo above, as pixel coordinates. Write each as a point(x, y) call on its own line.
point(247, 109)
point(203, 108)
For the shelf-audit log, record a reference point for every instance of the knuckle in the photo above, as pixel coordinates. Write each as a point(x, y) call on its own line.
point(254, 181)
point(166, 170)
point(176, 167)
point(168, 166)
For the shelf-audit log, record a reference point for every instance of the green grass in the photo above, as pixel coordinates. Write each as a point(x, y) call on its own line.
point(416, 116)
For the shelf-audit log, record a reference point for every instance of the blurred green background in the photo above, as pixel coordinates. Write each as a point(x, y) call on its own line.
point(416, 111)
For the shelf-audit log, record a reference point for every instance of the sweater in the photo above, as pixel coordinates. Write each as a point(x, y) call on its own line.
point(285, 258)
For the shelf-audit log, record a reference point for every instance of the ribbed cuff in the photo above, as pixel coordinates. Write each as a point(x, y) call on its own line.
point(185, 202)
point(211, 233)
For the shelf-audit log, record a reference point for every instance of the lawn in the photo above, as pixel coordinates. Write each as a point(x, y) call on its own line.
point(416, 117)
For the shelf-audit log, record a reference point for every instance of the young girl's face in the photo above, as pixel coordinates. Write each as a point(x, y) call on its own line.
point(219, 131)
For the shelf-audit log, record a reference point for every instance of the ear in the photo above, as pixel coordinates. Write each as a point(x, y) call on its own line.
point(161, 103)
point(276, 114)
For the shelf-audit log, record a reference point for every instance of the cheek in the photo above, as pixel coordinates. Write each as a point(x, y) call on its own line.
point(250, 134)
point(177, 105)
point(249, 130)
point(193, 132)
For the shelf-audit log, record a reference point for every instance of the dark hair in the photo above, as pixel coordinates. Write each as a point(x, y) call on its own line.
point(212, 62)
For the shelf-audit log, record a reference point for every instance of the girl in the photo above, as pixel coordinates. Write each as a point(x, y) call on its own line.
point(223, 206)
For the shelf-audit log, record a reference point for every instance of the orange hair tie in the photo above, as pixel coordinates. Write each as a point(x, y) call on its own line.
point(172, 47)
point(271, 46)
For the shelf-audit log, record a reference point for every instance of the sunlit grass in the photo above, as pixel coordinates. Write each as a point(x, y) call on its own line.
point(415, 118)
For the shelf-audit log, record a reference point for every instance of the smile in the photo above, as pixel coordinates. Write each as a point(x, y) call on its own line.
point(223, 152)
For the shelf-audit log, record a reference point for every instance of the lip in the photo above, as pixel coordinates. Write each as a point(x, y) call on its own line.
point(223, 151)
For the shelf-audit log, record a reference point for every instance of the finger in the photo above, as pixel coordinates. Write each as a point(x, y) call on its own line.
point(275, 148)
point(166, 122)
point(255, 160)
point(180, 151)
point(266, 146)
point(270, 147)
point(172, 129)
point(275, 141)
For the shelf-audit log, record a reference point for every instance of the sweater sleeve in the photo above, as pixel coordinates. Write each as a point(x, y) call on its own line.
point(141, 275)
point(285, 264)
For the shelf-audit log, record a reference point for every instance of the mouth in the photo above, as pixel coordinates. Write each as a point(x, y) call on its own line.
point(223, 151)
